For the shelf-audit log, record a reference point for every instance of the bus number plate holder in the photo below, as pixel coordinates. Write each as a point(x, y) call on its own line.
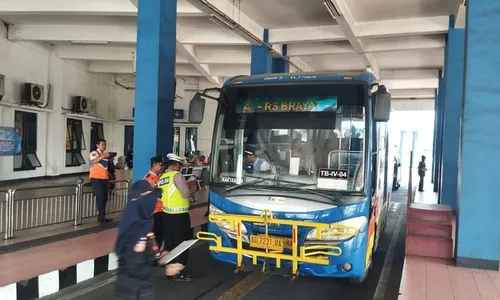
point(268, 242)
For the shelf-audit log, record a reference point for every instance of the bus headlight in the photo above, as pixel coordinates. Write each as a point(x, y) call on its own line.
point(339, 233)
point(224, 224)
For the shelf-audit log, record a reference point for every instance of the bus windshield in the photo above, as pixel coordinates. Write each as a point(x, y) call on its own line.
point(309, 136)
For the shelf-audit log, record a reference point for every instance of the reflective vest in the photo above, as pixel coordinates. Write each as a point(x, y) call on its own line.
point(172, 199)
point(100, 169)
point(153, 179)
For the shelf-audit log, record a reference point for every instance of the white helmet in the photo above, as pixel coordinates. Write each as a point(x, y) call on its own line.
point(173, 157)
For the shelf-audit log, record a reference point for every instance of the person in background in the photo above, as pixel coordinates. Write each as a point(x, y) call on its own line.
point(176, 221)
point(130, 158)
point(136, 247)
point(111, 172)
point(99, 178)
point(153, 176)
point(296, 151)
point(421, 173)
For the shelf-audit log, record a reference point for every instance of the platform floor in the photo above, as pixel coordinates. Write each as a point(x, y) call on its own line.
point(428, 196)
point(438, 279)
point(216, 280)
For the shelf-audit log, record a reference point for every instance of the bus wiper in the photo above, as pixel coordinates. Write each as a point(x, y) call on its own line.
point(229, 188)
point(336, 198)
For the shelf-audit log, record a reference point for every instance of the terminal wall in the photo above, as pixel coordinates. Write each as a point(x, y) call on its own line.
point(26, 62)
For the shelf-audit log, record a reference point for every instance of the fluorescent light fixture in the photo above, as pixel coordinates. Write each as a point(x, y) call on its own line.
point(332, 9)
point(89, 42)
point(219, 21)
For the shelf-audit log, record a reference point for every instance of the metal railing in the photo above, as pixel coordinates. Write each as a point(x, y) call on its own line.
point(27, 208)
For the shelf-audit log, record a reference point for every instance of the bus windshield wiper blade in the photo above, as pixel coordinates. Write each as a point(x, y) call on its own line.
point(229, 188)
point(335, 198)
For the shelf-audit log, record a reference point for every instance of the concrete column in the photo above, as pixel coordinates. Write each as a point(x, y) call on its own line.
point(279, 65)
point(478, 221)
point(261, 58)
point(155, 78)
point(439, 134)
point(434, 142)
point(56, 121)
point(454, 78)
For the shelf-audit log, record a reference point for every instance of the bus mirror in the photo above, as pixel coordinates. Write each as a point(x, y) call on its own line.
point(382, 105)
point(196, 109)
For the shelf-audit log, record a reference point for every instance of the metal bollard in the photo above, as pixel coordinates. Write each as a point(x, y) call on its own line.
point(9, 214)
point(79, 204)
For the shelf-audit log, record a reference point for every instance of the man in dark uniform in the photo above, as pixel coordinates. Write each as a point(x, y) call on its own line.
point(421, 173)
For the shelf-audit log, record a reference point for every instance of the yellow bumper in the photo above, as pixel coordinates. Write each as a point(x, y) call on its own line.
point(315, 254)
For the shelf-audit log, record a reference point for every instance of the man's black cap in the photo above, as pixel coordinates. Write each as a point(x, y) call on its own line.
point(156, 159)
point(143, 188)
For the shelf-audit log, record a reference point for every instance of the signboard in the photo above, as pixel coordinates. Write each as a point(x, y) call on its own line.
point(332, 179)
point(178, 114)
point(10, 142)
point(258, 105)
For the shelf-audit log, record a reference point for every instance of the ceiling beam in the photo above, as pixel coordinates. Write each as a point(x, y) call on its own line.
point(233, 13)
point(375, 29)
point(91, 52)
point(413, 105)
point(229, 70)
point(112, 67)
point(84, 8)
point(404, 43)
point(209, 36)
point(369, 45)
point(399, 84)
point(403, 27)
point(460, 13)
point(413, 93)
point(188, 51)
point(238, 55)
point(90, 33)
point(306, 34)
point(322, 48)
point(410, 74)
point(348, 26)
point(121, 67)
point(125, 67)
point(117, 34)
point(302, 64)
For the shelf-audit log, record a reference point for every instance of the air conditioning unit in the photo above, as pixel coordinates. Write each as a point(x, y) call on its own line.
point(81, 104)
point(32, 94)
point(2, 86)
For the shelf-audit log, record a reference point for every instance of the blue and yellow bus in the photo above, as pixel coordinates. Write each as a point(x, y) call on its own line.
point(299, 173)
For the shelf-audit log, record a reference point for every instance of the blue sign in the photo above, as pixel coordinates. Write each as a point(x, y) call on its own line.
point(178, 114)
point(10, 142)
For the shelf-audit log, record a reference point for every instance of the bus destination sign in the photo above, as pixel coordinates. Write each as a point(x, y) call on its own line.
point(287, 105)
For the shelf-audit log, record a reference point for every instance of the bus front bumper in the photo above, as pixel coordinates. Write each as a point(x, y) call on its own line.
point(321, 259)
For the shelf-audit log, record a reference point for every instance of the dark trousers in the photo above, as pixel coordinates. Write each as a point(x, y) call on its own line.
point(158, 228)
point(130, 288)
point(101, 190)
point(421, 183)
point(177, 229)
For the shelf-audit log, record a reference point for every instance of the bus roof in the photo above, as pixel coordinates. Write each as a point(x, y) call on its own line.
point(367, 77)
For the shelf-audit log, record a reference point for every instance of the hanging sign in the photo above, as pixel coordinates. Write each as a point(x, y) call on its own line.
point(10, 142)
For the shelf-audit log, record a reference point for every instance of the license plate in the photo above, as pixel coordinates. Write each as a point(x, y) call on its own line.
point(270, 242)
